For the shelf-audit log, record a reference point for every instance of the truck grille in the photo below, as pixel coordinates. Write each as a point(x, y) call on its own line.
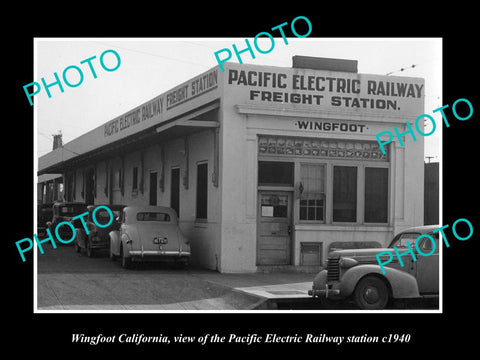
point(333, 269)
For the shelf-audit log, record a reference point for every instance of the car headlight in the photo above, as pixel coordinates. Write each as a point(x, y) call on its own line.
point(346, 262)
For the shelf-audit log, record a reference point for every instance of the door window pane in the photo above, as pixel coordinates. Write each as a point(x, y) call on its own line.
point(273, 205)
point(376, 195)
point(344, 194)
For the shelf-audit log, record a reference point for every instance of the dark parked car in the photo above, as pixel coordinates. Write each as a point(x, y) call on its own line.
point(65, 211)
point(355, 274)
point(44, 215)
point(97, 237)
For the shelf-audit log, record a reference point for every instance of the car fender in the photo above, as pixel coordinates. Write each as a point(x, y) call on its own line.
point(320, 280)
point(402, 284)
point(114, 242)
point(126, 245)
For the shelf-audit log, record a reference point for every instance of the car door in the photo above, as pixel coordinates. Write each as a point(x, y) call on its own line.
point(409, 265)
point(427, 265)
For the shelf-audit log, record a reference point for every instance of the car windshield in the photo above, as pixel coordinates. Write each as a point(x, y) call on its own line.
point(103, 217)
point(153, 216)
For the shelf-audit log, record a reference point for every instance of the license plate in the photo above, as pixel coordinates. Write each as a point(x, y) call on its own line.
point(160, 240)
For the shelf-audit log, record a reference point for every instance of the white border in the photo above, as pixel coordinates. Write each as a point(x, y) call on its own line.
point(273, 312)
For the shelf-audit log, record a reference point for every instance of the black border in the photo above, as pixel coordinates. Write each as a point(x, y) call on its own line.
point(51, 334)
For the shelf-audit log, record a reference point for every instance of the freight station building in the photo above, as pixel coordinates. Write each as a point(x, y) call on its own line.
point(266, 166)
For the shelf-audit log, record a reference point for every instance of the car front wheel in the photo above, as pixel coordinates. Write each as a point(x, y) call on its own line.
point(371, 293)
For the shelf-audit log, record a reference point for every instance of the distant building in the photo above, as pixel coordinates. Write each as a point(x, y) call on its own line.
point(432, 194)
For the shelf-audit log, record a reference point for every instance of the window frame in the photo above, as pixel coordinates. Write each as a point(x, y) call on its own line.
point(135, 179)
point(324, 196)
point(357, 194)
point(364, 212)
point(329, 164)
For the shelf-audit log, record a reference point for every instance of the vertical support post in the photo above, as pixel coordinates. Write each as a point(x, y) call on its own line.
point(187, 165)
point(215, 156)
point(142, 156)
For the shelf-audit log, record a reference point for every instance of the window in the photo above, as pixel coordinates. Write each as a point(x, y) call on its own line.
point(102, 217)
point(344, 194)
point(429, 246)
point(152, 216)
point(275, 173)
point(376, 195)
point(135, 178)
point(202, 190)
point(312, 204)
point(407, 238)
point(175, 190)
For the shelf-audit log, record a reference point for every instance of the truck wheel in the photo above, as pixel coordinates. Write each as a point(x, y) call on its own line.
point(371, 293)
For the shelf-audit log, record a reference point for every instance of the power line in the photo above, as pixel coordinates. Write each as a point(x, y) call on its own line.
point(155, 55)
point(401, 69)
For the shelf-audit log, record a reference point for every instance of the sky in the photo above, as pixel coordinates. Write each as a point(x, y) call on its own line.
point(151, 66)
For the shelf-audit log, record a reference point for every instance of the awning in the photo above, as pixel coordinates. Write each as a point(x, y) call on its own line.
point(191, 122)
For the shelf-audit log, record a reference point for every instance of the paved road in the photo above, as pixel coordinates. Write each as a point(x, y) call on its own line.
point(71, 281)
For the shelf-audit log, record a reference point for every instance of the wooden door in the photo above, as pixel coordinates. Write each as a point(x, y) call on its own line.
point(274, 228)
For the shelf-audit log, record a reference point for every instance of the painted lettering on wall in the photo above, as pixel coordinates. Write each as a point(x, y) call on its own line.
point(325, 90)
point(134, 117)
point(329, 126)
point(195, 87)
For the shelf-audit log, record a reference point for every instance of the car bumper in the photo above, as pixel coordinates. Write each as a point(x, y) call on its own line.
point(100, 245)
point(159, 255)
point(326, 292)
point(321, 287)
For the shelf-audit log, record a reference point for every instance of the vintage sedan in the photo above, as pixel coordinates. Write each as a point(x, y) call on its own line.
point(149, 233)
point(356, 274)
point(65, 211)
point(98, 237)
point(44, 215)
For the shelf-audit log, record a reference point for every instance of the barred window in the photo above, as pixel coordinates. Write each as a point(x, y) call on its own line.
point(312, 198)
